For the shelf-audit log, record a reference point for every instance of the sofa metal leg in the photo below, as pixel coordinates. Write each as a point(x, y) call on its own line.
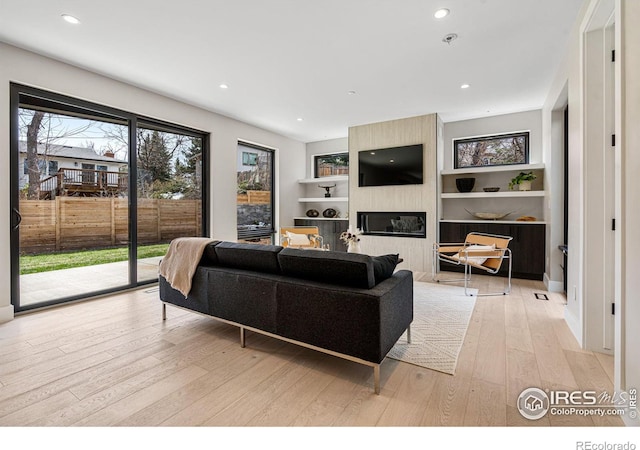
point(409, 334)
point(376, 379)
point(242, 337)
point(164, 311)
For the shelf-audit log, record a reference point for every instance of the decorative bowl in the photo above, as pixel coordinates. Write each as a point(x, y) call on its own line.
point(313, 213)
point(491, 189)
point(465, 184)
point(489, 215)
point(329, 212)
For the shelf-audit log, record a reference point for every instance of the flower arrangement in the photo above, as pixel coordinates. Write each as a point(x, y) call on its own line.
point(348, 237)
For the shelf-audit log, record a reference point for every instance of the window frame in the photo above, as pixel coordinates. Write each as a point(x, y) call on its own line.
point(272, 152)
point(319, 157)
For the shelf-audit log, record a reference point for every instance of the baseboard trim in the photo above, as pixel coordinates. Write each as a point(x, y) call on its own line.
point(574, 326)
point(6, 313)
point(553, 286)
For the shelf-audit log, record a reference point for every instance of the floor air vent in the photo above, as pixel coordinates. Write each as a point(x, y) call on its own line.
point(541, 296)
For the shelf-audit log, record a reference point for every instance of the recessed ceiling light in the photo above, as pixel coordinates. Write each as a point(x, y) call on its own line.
point(224, 86)
point(439, 14)
point(299, 119)
point(391, 160)
point(465, 86)
point(373, 153)
point(71, 19)
point(351, 92)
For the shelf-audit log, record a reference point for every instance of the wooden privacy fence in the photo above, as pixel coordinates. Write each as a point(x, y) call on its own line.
point(71, 223)
point(255, 197)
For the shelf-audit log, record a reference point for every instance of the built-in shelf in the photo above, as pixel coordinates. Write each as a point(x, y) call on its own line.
point(321, 218)
point(485, 169)
point(455, 206)
point(520, 222)
point(323, 199)
point(324, 180)
point(493, 194)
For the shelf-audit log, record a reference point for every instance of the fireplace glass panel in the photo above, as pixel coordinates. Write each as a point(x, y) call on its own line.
point(397, 224)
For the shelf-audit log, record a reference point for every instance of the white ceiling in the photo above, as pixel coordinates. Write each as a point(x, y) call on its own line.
point(290, 59)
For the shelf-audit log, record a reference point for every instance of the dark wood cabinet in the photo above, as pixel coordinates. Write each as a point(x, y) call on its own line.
point(527, 246)
point(330, 231)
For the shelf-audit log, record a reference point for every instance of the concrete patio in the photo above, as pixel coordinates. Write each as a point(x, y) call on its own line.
point(45, 286)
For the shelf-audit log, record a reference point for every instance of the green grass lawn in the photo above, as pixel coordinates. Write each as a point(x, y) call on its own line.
point(66, 260)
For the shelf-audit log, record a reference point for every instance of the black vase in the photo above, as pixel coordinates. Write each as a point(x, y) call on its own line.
point(465, 184)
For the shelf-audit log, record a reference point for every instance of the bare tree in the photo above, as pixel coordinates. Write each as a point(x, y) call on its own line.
point(33, 169)
point(43, 130)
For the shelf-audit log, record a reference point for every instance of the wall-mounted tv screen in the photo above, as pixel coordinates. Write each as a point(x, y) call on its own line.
point(390, 166)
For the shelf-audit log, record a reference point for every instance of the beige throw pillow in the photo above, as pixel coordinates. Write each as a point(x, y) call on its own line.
point(479, 260)
point(298, 239)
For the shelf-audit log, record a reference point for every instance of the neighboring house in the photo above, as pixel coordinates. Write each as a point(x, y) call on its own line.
point(74, 170)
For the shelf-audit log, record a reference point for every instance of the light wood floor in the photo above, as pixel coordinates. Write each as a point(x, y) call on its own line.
point(113, 361)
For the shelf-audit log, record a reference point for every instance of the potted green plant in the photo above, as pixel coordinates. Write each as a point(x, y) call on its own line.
point(523, 181)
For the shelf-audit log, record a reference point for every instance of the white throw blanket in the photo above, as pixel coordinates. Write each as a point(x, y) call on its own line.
point(181, 261)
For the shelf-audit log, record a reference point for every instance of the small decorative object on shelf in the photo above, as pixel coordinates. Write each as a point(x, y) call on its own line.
point(526, 219)
point(329, 213)
point(465, 184)
point(313, 213)
point(488, 215)
point(491, 189)
point(328, 189)
point(351, 240)
point(523, 181)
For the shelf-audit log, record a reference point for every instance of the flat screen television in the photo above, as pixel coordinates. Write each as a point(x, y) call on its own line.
point(391, 166)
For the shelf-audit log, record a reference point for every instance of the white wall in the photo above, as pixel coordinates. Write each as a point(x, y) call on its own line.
point(505, 123)
point(627, 282)
point(30, 69)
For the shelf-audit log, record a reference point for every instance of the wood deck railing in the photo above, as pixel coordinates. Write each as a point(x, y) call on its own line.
point(84, 182)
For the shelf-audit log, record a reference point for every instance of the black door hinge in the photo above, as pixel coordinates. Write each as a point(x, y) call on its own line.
point(613, 140)
point(613, 224)
point(613, 56)
point(613, 309)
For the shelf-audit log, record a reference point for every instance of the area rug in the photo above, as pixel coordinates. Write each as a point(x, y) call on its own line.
point(441, 315)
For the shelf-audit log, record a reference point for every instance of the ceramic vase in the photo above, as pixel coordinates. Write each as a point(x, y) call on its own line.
point(525, 185)
point(353, 247)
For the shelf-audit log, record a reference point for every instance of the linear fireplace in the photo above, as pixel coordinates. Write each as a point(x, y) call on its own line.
point(392, 223)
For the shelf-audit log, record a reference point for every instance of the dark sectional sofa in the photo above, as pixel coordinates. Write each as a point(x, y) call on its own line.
point(349, 305)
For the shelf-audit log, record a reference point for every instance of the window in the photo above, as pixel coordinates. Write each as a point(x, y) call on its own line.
point(53, 167)
point(249, 159)
point(331, 165)
point(41, 166)
point(498, 150)
point(255, 215)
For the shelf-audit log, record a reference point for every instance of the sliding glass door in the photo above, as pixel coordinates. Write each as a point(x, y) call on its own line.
point(169, 192)
point(97, 195)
